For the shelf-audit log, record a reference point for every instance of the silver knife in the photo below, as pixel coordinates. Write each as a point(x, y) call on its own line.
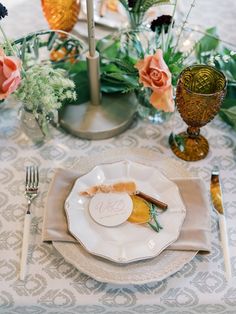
point(217, 201)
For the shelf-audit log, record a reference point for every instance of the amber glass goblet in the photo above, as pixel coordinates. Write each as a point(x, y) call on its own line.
point(199, 94)
point(61, 14)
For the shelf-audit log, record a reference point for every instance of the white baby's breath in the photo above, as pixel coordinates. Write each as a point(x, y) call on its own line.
point(43, 90)
point(226, 58)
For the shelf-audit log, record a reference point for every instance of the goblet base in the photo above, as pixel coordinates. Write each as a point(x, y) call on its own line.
point(195, 148)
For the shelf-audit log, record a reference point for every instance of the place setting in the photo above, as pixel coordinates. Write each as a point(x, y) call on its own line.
point(99, 223)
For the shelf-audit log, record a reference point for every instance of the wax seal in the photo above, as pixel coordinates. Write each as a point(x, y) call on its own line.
point(110, 209)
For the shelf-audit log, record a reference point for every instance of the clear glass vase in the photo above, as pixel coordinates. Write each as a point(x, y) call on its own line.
point(31, 126)
point(146, 111)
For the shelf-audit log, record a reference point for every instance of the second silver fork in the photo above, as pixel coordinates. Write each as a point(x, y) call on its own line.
point(31, 191)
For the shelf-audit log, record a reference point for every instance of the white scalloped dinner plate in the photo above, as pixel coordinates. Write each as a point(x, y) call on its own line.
point(127, 242)
point(141, 272)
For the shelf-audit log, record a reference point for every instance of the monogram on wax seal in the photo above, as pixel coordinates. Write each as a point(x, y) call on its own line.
point(110, 209)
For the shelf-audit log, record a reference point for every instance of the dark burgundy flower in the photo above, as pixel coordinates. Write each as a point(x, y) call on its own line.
point(3, 11)
point(131, 3)
point(161, 21)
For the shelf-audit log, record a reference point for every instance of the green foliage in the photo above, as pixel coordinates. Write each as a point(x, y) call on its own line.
point(136, 13)
point(209, 50)
point(28, 48)
point(125, 4)
point(147, 4)
point(109, 46)
point(118, 73)
point(177, 140)
point(143, 5)
point(207, 45)
point(229, 114)
point(228, 109)
point(78, 73)
point(175, 61)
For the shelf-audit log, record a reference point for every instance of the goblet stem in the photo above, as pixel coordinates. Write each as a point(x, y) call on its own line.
point(193, 132)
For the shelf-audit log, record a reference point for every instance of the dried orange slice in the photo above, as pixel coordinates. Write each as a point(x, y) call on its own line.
point(141, 211)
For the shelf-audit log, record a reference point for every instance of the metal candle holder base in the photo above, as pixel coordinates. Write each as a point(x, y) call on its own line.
point(99, 118)
point(110, 118)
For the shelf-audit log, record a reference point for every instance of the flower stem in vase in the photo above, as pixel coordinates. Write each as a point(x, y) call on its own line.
point(146, 111)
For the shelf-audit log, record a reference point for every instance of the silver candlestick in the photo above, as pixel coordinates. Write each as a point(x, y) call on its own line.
point(103, 116)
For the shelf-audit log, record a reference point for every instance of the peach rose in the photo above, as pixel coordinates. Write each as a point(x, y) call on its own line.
point(155, 74)
point(9, 74)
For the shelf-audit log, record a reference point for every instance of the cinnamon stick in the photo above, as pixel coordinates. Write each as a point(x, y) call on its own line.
point(152, 200)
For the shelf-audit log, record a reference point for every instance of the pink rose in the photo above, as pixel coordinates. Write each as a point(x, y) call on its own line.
point(9, 74)
point(155, 74)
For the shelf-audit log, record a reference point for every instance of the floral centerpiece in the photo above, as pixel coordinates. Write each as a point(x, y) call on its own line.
point(133, 59)
point(144, 58)
point(40, 87)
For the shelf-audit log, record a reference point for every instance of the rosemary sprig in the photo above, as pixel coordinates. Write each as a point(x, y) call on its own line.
point(153, 212)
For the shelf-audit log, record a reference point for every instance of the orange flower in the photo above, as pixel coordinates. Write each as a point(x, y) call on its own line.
point(9, 74)
point(155, 74)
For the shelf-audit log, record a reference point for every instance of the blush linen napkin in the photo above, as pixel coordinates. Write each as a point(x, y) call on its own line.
point(195, 234)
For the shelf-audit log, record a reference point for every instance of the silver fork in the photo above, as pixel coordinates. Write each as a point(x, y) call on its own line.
point(31, 191)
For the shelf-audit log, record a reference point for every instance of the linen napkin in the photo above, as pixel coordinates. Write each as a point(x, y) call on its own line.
point(195, 232)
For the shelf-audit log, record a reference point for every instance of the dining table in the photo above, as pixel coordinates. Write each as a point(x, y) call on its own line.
point(53, 284)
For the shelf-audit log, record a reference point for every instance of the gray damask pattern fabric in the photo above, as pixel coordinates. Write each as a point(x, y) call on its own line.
point(53, 285)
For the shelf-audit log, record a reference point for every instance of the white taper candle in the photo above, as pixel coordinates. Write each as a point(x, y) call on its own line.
point(91, 27)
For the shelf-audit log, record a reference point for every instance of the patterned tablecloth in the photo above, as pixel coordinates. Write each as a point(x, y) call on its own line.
point(53, 285)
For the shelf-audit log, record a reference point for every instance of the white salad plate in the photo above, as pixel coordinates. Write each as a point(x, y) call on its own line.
point(127, 242)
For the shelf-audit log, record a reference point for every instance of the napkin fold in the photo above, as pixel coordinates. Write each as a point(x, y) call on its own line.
point(195, 234)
